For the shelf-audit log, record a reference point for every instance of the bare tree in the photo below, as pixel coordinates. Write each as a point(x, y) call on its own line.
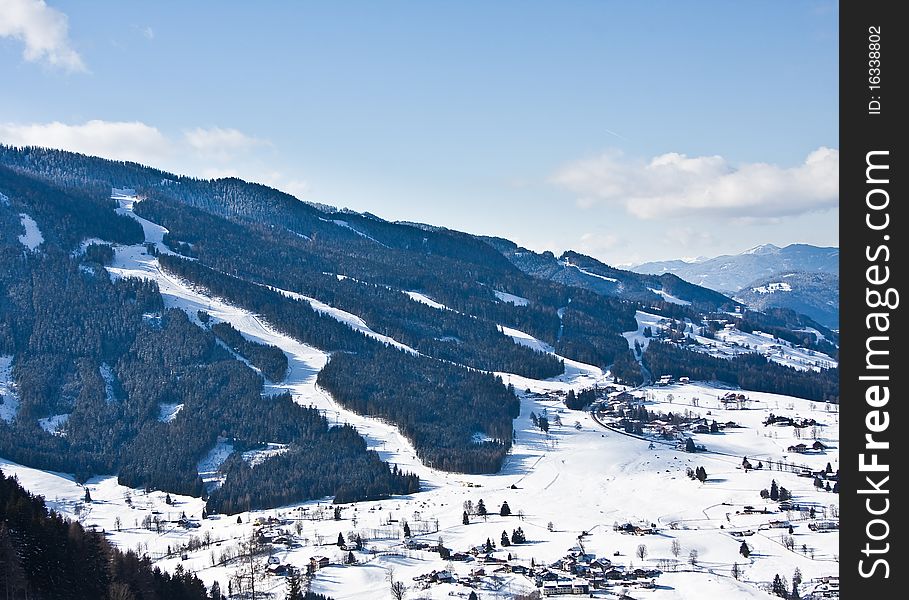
point(693, 557)
point(736, 572)
point(676, 548)
point(641, 551)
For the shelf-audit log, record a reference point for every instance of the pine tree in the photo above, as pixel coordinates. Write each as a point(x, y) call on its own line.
point(744, 550)
point(774, 491)
point(505, 541)
point(472, 596)
point(505, 510)
point(465, 519)
point(406, 529)
point(88, 497)
point(481, 508)
point(340, 539)
point(689, 445)
point(337, 513)
point(294, 586)
point(488, 547)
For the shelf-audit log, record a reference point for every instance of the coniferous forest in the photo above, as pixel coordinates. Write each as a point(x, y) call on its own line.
point(107, 360)
point(46, 557)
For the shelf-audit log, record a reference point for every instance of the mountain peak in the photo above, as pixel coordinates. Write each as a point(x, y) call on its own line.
point(763, 249)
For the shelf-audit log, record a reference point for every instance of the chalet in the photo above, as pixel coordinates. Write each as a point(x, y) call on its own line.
point(519, 569)
point(602, 564)
point(798, 448)
point(280, 570)
point(817, 445)
point(566, 587)
point(665, 380)
point(821, 526)
point(684, 380)
point(319, 562)
point(460, 556)
point(701, 428)
point(444, 577)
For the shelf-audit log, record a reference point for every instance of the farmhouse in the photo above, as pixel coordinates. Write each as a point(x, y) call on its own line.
point(566, 586)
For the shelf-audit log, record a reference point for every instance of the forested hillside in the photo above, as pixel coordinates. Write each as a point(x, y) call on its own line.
point(110, 378)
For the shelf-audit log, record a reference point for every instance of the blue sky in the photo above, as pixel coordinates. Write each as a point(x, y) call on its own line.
point(629, 131)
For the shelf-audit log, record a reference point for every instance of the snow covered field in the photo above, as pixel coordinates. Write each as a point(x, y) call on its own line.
point(580, 478)
point(566, 489)
point(731, 342)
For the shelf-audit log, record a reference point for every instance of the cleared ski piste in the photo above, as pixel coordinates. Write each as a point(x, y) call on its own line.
point(580, 477)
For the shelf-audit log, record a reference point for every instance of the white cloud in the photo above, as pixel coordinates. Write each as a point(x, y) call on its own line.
point(221, 144)
point(599, 244)
point(43, 30)
point(674, 184)
point(148, 33)
point(208, 153)
point(119, 140)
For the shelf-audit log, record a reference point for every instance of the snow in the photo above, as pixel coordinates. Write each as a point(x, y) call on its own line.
point(580, 476)
point(54, 424)
point(167, 412)
point(590, 273)
point(107, 374)
point(424, 299)
point(670, 298)
point(209, 465)
point(257, 457)
point(4, 199)
point(347, 225)
point(644, 319)
point(731, 342)
point(8, 391)
point(32, 237)
point(506, 297)
point(817, 334)
point(581, 480)
point(349, 319)
point(771, 288)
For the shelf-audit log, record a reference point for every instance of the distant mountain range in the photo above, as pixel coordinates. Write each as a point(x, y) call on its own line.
point(812, 294)
point(730, 273)
point(807, 278)
point(578, 270)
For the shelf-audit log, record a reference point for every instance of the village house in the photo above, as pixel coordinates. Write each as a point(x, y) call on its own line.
point(319, 562)
point(566, 586)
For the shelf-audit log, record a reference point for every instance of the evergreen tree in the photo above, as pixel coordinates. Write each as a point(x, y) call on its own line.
point(488, 547)
point(505, 510)
point(774, 491)
point(406, 529)
point(744, 550)
point(517, 536)
point(472, 596)
point(689, 445)
point(294, 586)
point(505, 541)
point(337, 513)
point(340, 539)
point(465, 519)
point(88, 497)
point(481, 508)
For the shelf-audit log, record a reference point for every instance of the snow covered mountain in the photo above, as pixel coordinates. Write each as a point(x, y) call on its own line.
point(814, 294)
point(730, 273)
point(251, 378)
